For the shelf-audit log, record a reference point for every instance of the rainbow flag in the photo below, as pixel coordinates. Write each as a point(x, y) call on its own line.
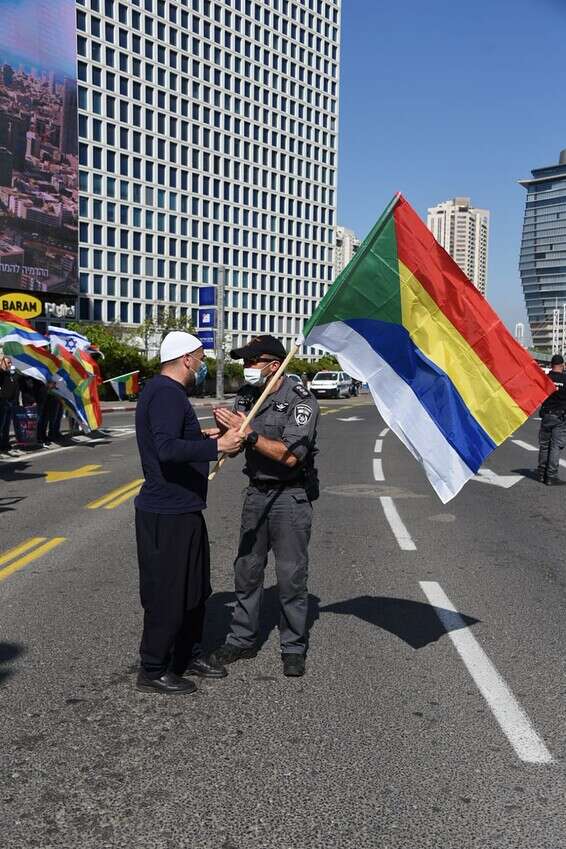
point(42, 364)
point(126, 385)
point(83, 387)
point(445, 374)
point(15, 329)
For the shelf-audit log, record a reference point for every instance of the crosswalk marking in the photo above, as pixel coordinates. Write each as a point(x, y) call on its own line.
point(116, 496)
point(39, 546)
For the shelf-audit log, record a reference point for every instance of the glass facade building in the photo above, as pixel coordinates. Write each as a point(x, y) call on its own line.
point(543, 249)
point(207, 140)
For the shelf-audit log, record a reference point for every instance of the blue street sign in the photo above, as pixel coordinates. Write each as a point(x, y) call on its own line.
point(207, 319)
point(207, 339)
point(206, 296)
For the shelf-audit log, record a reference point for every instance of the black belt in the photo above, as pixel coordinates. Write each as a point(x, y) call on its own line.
point(268, 486)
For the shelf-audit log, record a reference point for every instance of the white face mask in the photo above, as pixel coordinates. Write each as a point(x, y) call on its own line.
point(254, 376)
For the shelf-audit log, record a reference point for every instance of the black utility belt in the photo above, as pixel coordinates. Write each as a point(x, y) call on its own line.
point(268, 486)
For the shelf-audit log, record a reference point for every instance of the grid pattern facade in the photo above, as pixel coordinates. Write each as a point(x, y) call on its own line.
point(463, 232)
point(346, 243)
point(543, 250)
point(207, 140)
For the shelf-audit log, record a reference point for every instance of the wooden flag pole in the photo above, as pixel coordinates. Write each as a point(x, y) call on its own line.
point(251, 415)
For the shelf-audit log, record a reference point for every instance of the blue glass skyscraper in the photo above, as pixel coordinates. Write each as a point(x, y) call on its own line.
point(543, 249)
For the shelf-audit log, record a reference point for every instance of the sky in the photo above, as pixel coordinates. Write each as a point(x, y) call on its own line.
point(39, 32)
point(452, 99)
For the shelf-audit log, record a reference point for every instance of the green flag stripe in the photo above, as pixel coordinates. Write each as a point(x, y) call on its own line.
point(369, 285)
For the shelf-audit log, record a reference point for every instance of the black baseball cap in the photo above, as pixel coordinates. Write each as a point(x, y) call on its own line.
point(257, 347)
point(557, 360)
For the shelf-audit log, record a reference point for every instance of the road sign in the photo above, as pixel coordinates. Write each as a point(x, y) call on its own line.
point(206, 319)
point(207, 339)
point(82, 472)
point(206, 296)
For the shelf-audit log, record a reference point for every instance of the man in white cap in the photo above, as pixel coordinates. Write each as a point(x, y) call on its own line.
point(172, 541)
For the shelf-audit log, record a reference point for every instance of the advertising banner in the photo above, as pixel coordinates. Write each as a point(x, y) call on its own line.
point(38, 147)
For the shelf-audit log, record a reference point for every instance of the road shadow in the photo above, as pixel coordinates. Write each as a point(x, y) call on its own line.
point(8, 652)
point(531, 474)
point(7, 503)
point(414, 622)
point(219, 615)
point(15, 472)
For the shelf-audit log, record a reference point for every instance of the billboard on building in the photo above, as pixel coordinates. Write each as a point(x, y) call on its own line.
point(38, 147)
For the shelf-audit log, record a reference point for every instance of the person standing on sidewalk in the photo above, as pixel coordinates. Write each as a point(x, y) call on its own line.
point(171, 535)
point(552, 433)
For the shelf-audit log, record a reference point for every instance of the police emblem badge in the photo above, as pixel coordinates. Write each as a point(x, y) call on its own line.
point(302, 414)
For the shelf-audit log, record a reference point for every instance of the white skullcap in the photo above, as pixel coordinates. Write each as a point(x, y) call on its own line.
point(176, 344)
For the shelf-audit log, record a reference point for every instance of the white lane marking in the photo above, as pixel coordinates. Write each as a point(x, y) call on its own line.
point(528, 447)
point(524, 445)
point(384, 432)
point(378, 470)
point(400, 532)
point(511, 717)
point(504, 481)
point(378, 446)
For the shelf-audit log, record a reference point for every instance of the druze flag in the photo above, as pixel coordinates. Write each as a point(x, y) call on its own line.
point(444, 372)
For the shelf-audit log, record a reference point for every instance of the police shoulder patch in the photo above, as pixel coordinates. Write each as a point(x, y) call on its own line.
point(303, 414)
point(301, 391)
point(280, 406)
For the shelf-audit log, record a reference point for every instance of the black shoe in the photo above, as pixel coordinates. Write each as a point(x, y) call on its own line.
point(205, 668)
point(169, 684)
point(293, 665)
point(552, 481)
point(230, 654)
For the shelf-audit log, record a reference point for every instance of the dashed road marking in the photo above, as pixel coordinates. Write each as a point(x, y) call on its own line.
point(39, 546)
point(511, 717)
point(378, 446)
point(116, 496)
point(400, 532)
point(384, 432)
point(378, 469)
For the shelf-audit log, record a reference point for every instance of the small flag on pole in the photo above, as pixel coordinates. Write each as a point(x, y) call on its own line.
point(125, 385)
point(444, 372)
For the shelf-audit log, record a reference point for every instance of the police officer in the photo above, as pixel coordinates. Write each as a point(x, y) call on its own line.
point(552, 434)
point(280, 445)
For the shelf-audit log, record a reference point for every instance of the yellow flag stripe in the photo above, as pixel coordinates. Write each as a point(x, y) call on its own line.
point(18, 564)
point(437, 338)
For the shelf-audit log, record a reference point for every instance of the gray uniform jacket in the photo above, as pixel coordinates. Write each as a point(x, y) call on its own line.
point(289, 415)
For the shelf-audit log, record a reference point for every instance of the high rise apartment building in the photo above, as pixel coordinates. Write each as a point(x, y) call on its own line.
point(346, 243)
point(207, 140)
point(543, 249)
point(463, 232)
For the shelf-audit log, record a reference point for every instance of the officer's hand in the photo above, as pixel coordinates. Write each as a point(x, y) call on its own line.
point(231, 442)
point(229, 419)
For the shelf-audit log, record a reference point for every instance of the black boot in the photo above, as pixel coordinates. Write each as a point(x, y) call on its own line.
point(293, 665)
point(205, 668)
point(230, 654)
point(169, 684)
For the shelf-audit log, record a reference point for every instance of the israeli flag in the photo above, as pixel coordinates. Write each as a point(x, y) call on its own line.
point(68, 339)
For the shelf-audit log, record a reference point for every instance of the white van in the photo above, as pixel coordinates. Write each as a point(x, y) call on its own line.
point(331, 384)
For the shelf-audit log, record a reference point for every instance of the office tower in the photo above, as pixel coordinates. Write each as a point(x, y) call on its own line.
point(207, 140)
point(463, 232)
point(68, 139)
point(6, 167)
point(543, 249)
point(346, 243)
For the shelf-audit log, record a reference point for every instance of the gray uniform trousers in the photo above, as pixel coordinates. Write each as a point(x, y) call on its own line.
point(278, 519)
point(552, 438)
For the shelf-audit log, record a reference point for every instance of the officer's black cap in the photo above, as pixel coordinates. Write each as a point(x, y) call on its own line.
point(557, 360)
point(260, 346)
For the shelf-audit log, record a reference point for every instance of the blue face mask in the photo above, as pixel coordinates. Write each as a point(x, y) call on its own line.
point(200, 373)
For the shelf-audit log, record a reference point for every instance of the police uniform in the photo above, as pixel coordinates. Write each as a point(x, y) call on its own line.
point(552, 434)
point(277, 514)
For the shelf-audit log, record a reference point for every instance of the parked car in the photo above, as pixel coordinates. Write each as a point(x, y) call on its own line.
point(331, 384)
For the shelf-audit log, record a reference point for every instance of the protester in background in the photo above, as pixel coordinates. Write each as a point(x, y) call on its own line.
point(8, 398)
point(172, 541)
point(49, 419)
point(552, 434)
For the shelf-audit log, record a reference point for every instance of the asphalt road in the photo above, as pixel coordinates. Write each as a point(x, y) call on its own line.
point(432, 712)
